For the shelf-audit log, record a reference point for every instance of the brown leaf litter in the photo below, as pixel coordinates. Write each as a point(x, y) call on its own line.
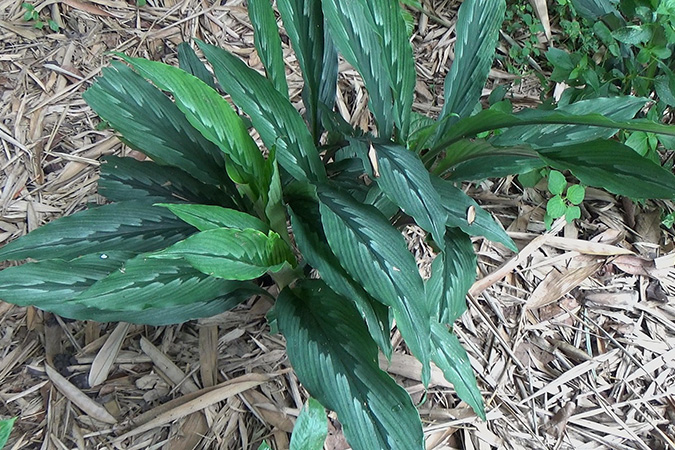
point(573, 339)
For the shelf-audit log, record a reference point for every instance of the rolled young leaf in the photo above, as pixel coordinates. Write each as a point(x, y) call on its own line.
point(336, 360)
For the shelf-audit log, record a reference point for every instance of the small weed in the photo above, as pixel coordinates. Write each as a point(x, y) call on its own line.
point(32, 15)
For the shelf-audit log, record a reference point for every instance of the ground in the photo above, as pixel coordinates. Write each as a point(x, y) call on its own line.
point(572, 339)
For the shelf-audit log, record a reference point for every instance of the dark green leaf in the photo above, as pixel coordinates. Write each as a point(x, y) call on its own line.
point(614, 167)
point(152, 123)
point(268, 43)
point(311, 428)
point(541, 136)
point(336, 360)
point(477, 159)
point(451, 358)
point(530, 179)
point(213, 116)
point(457, 204)
point(312, 244)
point(207, 217)
point(375, 254)
point(556, 182)
point(129, 179)
point(303, 22)
point(134, 226)
point(232, 254)
point(190, 62)
point(491, 119)
point(633, 34)
point(477, 31)
point(5, 430)
point(397, 57)
point(452, 274)
point(273, 116)
point(353, 30)
point(150, 283)
point(406, 182)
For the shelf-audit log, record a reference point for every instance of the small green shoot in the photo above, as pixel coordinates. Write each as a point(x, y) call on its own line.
point(32, 14)
point(562, 203)
point(5, 430)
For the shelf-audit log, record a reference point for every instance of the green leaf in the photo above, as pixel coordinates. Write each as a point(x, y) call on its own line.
point(264, 446)
point(268, 42)
point(314, 249)
point(457, 204)
point(451, 358)
point(354, 32)
point(633, 34)
point(572, 212)
point(317, 58)
point(213, 116)
point(190, 63)
point(129, 179)
point(274, 210)
point(134, 226)
point(556, 182)
point(272, 115)
point(613, 108)
point(491, 119)
point(207, 217)
point(311, 428)
point(531, 178)
point(375, 254)
point(336, 360)
point(397, 57)
point(614, 167)
point(575, 194)
point(53, 285)
point(555, 207)
point(452, 274)
point(152, 123)
point(232, 254)
point(477, 31)
point(5, 430)
point(406, 182)
point(478, 159)
point(146, 283)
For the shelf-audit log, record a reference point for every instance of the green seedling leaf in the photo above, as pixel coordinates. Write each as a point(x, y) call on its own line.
point(458, 204)
point(452, 274)
point(575, 194)
point(614, 167)
point(213, 116)
point(150, 122)
point(311, 428)
point(556, 207)
point(406, 182)
point(268, 42)
point(5, 430)
point(375, 254)
point(232, 254)
point(556, 182)
point(572, 212)
point(312, 244)
point(477, 33)
point(134, 226)
point(451, 358)
point(336, 360)
point(264, 446)
point(273, 116)
point(207, 217)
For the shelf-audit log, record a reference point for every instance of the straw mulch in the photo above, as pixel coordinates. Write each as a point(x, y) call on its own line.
point(573, 339)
